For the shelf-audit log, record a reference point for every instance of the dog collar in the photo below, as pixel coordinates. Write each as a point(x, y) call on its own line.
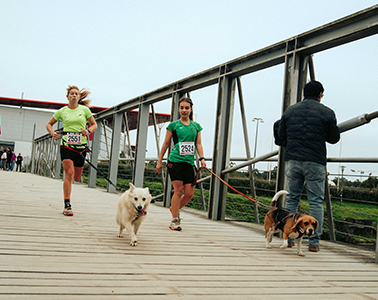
point(300, 230)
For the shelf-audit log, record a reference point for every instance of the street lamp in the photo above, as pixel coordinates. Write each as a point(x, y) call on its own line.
point(342, 185)
point(257, 131)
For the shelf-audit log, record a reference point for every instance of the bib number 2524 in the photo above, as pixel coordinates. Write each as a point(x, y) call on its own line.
point(187, 148)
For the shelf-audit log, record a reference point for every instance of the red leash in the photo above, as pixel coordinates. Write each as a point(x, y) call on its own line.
point(195, 182)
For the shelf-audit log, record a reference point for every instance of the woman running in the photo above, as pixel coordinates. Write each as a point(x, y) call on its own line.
point(186, 136)
point(74, 138)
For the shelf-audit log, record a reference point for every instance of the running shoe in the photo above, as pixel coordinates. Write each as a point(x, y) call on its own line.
point(68, 211)
point(175, 225)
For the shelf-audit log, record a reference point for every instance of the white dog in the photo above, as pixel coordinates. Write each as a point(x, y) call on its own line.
point(132, 208)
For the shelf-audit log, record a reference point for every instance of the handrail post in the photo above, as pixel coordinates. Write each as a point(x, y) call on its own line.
point(92, 174)
point(327, 197)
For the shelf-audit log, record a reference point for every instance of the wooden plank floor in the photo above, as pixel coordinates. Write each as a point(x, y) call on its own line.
point(44, 255)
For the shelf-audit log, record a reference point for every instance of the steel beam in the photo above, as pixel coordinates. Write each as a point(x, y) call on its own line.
point(157, 140)
point(129, 142)
point(33, 152)
point(92, 175)
point(168, 185)
point(327, 198)
point(58, 162)
point(351, 28)
point(141, 144)
point(247, 148)
point(295, 77)
point(222, 147)
point(114, 152)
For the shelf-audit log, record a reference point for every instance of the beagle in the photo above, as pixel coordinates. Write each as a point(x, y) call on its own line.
point(292, 225)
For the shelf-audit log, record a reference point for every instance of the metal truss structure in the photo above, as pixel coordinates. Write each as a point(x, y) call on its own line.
point(295, 53)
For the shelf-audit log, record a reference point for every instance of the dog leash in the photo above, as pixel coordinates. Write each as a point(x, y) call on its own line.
point(98, 171)
point(195, 182)
point(86, 149)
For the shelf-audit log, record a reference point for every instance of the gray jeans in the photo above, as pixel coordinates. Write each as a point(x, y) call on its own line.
point(312, 175)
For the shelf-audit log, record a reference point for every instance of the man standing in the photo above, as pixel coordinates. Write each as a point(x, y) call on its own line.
point(304, 130)
point(19, 160)
point(9, 159)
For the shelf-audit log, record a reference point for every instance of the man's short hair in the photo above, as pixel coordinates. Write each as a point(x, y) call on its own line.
point(313, 89)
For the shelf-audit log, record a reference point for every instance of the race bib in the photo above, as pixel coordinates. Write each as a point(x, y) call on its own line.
point(73, 138)
point(186, 148)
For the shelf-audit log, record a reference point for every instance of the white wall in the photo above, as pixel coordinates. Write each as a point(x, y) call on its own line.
point(17, 123)
point(17, 126)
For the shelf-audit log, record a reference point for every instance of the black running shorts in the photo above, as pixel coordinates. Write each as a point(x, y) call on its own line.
point(75, 156)
point(182, 172)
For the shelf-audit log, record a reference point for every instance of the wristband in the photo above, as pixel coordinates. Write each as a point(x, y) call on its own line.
point(89, 130)
point(201, 158)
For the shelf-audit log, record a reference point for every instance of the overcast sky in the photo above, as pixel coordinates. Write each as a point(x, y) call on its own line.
point(122, 49)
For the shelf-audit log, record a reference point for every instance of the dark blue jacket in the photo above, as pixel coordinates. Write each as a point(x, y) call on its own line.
point(304, 129)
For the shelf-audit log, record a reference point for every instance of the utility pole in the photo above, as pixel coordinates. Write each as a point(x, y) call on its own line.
point(342, 185)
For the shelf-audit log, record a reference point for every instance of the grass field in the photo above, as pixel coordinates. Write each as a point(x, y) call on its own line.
point(242, 208)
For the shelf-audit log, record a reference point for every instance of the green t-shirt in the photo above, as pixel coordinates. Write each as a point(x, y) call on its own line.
point(73, 120)
point(184, 139)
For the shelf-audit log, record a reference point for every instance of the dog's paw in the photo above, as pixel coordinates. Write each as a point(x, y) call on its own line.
point(283, 246)
point(134, 243)
point(301, 254)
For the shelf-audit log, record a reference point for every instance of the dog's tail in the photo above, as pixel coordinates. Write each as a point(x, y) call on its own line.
point(276, 196)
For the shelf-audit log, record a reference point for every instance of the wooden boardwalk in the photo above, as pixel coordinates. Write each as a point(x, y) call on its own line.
point(44, 255)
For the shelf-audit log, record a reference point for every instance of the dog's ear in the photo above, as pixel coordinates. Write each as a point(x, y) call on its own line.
point(297, 222)
point(316, 224)
point(147, 190)
point(131, 186)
